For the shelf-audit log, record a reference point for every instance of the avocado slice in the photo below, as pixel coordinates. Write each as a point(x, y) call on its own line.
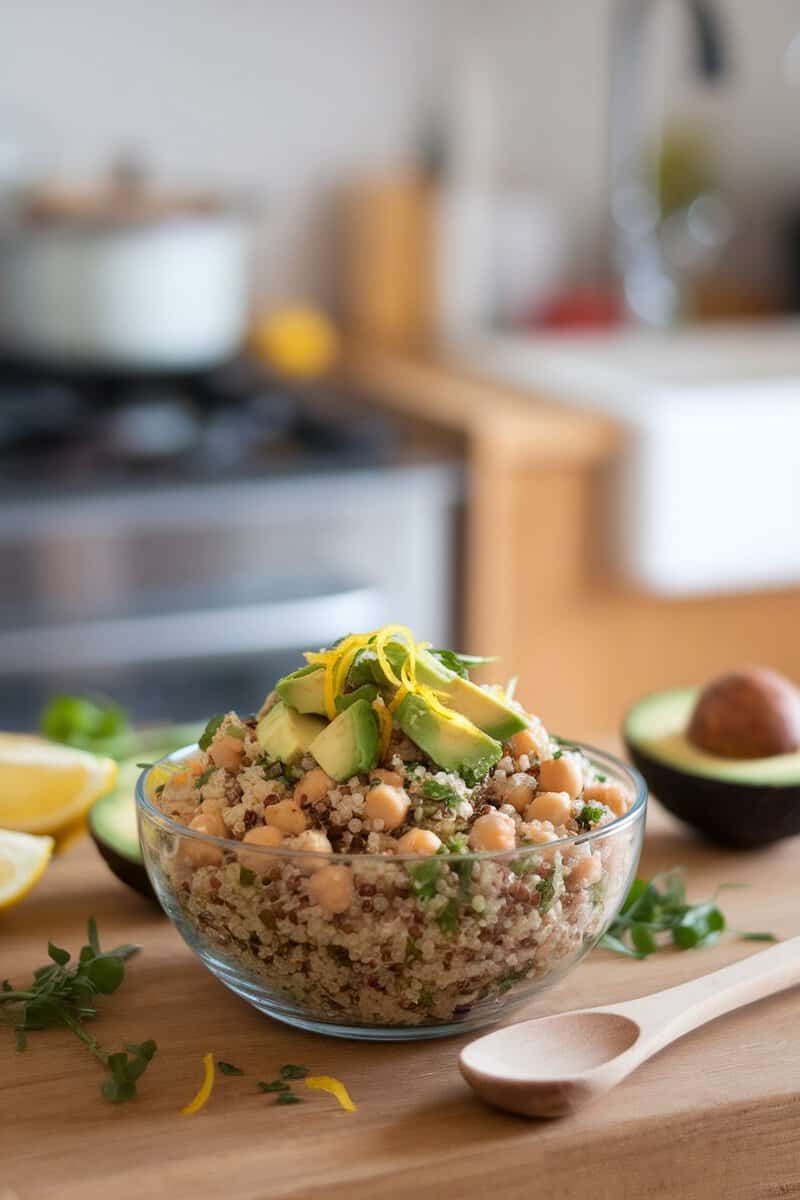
point(349, 745)
point(112, 825)
point(367, 691)
point(304, 690)
point(454, 745)
point(285, 734)
point(489, 713)
point(736, 802)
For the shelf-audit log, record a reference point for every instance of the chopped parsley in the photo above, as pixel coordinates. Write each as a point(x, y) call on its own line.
point(277, 1085)
point(656, 914)
point(424, 877)
point(203, 779)
point(292, 1071)
point(589, 815)
point(289, 1098)
point(547, 889)
point(600, 778)
point(443, 792)
point(211, 728)
point(447, 919)
point(246, 877)
point(227, 1068)
point(558, 754)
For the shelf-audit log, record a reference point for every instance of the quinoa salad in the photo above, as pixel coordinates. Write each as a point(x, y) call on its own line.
point(402, 846)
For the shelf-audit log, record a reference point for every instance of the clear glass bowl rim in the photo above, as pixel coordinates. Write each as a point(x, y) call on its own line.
point(596, 757)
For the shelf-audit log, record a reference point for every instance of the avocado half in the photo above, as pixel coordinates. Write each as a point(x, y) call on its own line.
point(743, 803)
point(112, 824)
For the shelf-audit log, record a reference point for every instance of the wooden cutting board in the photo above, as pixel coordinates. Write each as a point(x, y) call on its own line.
point(715, 1116)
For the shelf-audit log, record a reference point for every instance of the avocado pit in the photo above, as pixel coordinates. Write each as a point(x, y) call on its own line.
point(747, 714)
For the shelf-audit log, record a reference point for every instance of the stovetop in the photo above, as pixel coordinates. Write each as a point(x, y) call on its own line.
point(83, 432)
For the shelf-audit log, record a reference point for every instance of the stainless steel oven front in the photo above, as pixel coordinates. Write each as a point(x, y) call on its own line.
point(183, 601)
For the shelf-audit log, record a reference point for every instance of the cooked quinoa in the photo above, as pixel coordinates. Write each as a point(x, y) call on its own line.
point(406, 893)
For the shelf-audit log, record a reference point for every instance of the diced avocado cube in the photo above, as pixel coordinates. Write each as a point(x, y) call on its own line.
point(286, 735)
point(304, 690)
point(483, 709)
point(367, 692)
point(454, 745)
point(349, 745)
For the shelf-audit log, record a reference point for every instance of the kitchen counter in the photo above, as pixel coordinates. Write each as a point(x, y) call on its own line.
point(539, 584)
point(715, 1116)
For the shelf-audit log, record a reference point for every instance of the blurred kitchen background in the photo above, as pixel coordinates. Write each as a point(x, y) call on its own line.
point(474, 316)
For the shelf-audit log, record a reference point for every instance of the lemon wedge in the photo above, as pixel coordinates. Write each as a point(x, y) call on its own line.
point(23, 859)
point(46, 788)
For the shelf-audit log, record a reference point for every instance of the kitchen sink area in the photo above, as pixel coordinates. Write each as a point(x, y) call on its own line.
point(704, 489)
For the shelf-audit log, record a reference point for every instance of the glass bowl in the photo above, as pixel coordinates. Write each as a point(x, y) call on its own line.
point(428, 946)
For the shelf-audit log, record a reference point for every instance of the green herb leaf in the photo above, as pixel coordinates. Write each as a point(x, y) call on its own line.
point(277, 1085)
point(443, 792)
point(203, 777)
point(755, 937)
point(211, 728)
point(227, 1068)
point(246, 877)
point(461, 663)
point(424, 877)
point(292, 1071)
point(589, 815)
point(656, 914)
point(288, 1098)
point(448, 918)
point(61, 995)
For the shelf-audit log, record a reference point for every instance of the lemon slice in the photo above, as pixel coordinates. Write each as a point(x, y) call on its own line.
point(23, 859)
point(45, 787)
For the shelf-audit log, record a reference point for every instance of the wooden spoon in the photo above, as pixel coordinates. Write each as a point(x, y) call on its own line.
point(551, 1066)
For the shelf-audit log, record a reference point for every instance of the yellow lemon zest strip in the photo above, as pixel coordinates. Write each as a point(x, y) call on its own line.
point(381, 638)
point(384, 725)
point(205, 1088)
point(431, 697)
point(327, 1083)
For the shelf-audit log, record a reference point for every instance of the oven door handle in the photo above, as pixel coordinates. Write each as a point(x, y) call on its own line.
point(201, 634)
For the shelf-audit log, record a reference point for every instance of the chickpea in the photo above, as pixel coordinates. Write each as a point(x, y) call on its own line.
point(611, 794)
point(494, 831)
point(262, 835)
point(387, 804)
point(562, 774)
point(392, 778)
point(199, 853)
point(315, 844)
point(214, 824)
point(539, 832)
point(520, 793)
point(532, 741)
point(287, 816)
point(226, 752)
point(587, 870)
point(419, 841)
point(332, 889)
point(555, 807)
point(313, 787)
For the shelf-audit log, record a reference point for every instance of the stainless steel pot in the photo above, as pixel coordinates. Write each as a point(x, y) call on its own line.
point(124, 278)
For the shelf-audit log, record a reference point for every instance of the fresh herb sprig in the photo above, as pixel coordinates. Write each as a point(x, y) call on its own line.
point(656, 914)
point(62, 995)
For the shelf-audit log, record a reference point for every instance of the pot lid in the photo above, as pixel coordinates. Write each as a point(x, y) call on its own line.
point(126, 197)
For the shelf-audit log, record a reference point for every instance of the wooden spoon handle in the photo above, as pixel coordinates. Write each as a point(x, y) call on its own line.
point(667, 1015)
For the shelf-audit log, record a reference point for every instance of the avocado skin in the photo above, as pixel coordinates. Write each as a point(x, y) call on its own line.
point(737, 815)
point(129, 872)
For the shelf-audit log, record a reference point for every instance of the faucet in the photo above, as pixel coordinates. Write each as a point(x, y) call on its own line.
point(651, 284)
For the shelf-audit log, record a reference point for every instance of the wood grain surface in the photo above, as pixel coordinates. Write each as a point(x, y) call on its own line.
point(717, 1115)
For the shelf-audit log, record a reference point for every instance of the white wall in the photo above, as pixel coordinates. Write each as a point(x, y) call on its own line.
point(288, 97)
